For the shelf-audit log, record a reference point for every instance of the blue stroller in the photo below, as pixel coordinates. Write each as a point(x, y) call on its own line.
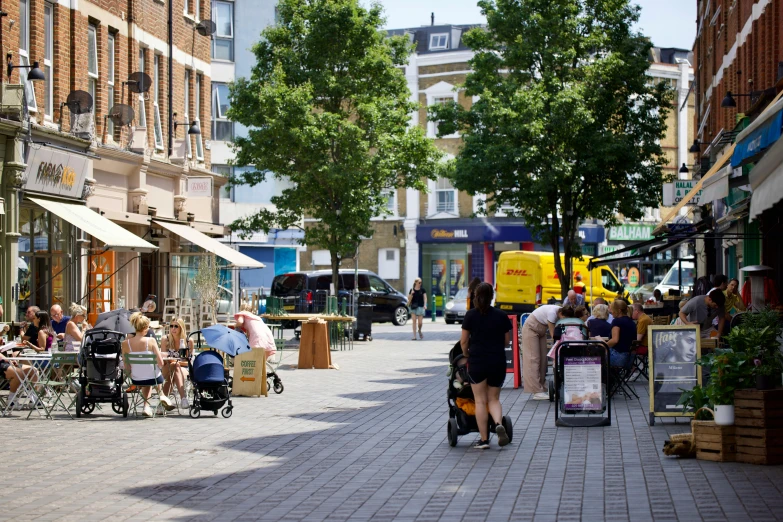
point(210, 385)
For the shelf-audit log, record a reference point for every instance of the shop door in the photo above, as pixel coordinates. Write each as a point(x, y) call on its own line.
point(101, 286)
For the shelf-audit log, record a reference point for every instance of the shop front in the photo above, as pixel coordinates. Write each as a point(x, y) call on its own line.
point(633, 240)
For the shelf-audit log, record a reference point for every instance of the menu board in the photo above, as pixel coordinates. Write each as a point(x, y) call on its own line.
point(582, 383)
point(673, 352)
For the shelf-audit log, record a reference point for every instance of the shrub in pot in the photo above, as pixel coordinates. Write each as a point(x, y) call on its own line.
point(729, 371)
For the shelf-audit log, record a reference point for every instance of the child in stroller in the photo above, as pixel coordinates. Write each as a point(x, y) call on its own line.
point(462, 406)
point(570, 327)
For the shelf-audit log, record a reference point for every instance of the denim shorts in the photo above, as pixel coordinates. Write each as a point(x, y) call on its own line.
point(419, 310)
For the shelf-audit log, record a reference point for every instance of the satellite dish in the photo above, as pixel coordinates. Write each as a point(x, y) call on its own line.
point(79, 102)
point(139, 82)
point(121, 114)
point(206, 27)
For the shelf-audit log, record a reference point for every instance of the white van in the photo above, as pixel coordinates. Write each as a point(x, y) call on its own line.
point(672, 279)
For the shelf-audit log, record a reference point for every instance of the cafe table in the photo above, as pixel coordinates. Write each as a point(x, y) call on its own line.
point(40, 362)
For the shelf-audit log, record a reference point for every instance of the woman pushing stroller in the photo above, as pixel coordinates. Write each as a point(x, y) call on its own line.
point(486, 332)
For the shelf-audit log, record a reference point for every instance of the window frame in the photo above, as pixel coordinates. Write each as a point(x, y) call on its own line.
point(186, 95)
point(47, 61)
point(218, 117)
point(158, 127)
point(93, 77)
point(197, 119)
point(439, 47)
point(24, 55)
point(111, 67)
point(448, 190)
point(221, 37)
point(142, 120)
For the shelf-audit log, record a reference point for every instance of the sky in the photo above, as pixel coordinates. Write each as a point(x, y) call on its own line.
point(669, 23)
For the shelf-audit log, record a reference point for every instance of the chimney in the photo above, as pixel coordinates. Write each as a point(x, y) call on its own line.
point(432, 19)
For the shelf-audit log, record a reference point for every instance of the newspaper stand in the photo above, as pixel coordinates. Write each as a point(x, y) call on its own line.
point(581, 384)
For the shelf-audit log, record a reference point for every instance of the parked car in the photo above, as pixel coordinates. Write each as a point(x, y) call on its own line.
point(456, 308)
point(643, 293)
point(300, 292)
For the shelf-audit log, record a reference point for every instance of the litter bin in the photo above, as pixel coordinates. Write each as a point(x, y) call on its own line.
point(364, 307)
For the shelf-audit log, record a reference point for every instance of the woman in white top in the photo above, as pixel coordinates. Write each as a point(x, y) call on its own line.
point(534, 349)
point(145, 376)
point(72, 340)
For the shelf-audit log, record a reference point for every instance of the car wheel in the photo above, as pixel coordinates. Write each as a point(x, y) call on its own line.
point(400, 316)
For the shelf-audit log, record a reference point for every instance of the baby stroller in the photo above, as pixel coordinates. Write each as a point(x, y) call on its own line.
point(562, 335)
point(459, 397)
point(100, 376)
point(210, 385)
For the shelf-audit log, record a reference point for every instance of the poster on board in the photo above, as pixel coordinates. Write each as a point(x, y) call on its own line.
point(439, 278)
point(582, 379)
point(673, 352)
point(457, 276)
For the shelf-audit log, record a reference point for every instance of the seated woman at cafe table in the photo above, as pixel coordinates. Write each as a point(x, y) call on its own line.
point(14, 371)
point(174, 372)
point(74, 330)
point(46, 335)
point(145, 376)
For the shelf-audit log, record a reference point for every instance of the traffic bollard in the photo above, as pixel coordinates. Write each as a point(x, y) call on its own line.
point(434, 308)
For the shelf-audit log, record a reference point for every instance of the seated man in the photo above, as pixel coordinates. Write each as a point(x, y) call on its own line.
point(59, 321)
point(642, 322)
point(702, 309)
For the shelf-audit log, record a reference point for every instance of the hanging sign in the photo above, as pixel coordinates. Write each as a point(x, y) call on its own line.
point(55, 172)
point(673, 193)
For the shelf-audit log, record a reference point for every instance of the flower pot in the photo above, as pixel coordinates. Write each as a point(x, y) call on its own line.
point(765, 382)
point(724, 415)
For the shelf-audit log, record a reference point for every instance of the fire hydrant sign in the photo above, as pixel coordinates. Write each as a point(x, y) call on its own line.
point(250, 374)
point(582, 383)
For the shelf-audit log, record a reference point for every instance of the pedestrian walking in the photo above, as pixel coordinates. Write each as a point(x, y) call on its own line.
point(534, 350)
point(470, 304)
point(486, 331)
point(417, 302)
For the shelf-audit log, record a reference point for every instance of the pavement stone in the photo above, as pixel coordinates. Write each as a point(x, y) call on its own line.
point(368, 442)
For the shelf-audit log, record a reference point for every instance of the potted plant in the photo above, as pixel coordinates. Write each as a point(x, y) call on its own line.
point(729, 371)
point(766, 374)
point(757, 338)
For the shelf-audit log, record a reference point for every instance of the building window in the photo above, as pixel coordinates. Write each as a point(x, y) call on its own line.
point(110, 48)
point(439, 41)
point(445, 196)
point(391, 200)
point(92, 64)
point(222, 129)
point(186, 96)
point(225, 171)
point(389, 263)
point(441, 100)
point(156, 102)
point(24, 53)
point(142, 107)
point(199, 141)
point(48, 52)
point(223, 40)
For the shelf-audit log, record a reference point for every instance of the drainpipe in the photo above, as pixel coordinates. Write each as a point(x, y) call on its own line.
point(171, 72)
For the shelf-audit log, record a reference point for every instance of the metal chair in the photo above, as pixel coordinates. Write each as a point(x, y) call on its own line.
point(620, 377)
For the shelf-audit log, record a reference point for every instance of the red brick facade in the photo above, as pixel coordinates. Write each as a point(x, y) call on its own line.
point(738, 48)
point(135, 24)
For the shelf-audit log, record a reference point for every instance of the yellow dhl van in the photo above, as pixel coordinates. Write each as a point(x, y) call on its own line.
point(526, 279)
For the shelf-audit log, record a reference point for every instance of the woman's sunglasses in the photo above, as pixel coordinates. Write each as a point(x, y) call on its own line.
point(173, 326)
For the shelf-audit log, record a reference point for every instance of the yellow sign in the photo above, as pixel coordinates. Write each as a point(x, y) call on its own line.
point(633, 277)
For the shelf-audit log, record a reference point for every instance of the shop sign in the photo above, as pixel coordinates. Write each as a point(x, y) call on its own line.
point(489, 232)
point(633, 277)
point(449, 234)
point(200, 187)
point(631, 233)
point(673, 193)
point(591, 234)
point(55, 172)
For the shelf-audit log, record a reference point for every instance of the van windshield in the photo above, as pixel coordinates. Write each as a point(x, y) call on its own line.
point(288, 284)
point(610, 282)
point(673, 275)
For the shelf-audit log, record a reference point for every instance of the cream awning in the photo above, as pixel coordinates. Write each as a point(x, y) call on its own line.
point(766, 179)
point(114, 236)
point(234, 257)
point(717, 187)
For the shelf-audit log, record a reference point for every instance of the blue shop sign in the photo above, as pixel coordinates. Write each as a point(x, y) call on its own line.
point(758, 140)
point(592, 234)
point(471, 233)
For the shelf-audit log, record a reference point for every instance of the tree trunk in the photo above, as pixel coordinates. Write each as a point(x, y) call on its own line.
point(555, 243)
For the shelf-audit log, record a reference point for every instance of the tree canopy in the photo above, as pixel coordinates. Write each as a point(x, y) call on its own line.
point(328, 111)
point(566, 125)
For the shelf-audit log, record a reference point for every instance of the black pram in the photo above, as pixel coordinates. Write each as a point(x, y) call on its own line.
point(459, 395)
point(210, 385)
point(100, 373)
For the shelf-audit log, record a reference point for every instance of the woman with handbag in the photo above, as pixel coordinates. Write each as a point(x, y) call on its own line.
point(417, 302)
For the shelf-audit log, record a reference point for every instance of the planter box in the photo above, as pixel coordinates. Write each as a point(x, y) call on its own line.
point(759, 426)
point(713, 442)
point(758, 408)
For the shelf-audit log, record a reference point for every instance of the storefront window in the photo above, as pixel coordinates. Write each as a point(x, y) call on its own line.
point(445, 270)
point(183, 270)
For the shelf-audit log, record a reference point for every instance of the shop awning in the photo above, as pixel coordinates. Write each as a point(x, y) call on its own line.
point(759, 135)
point(234, 257)
point(717, 187)
point(766, 180)
point(114, 236)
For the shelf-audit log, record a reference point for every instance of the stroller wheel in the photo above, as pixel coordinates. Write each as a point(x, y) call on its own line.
point(278, 387)
point(116, 407)
point(125, 404)
point(551, 390)
point(215, 412)
point(506, 423)
point(195, 413)
point(227, 412)
point(79, 401)
point(451, 432)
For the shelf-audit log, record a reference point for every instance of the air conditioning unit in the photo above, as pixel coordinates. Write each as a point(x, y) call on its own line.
point(83, 125)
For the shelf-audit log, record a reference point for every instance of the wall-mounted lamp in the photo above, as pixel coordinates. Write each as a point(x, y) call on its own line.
point(35, 74)
point(696, 147)
point(684, 169)
point(193, 129)
point(729, 101)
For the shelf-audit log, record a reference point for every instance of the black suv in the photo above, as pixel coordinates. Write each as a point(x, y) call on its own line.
point(301, 292)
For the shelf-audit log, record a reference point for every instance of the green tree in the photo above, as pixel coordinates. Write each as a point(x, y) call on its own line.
point(328, 110)
point(565, 126)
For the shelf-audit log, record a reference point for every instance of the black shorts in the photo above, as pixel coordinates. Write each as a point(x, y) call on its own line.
point(494, 374)
point(4, 365)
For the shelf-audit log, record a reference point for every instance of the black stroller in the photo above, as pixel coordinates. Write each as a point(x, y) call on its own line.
point(460, 394)
point(210, 385)
point(100, 376)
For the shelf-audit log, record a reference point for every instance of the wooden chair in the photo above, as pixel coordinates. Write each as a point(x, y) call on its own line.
point(661, 320)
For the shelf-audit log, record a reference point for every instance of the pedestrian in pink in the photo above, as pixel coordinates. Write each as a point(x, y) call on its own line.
point(258, 333)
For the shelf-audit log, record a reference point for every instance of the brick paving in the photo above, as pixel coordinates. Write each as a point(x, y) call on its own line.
point(368, 442)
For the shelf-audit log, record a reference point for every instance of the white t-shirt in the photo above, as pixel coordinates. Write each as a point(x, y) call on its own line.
point(546, 314)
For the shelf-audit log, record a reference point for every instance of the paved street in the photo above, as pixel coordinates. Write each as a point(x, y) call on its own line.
point(368, 442)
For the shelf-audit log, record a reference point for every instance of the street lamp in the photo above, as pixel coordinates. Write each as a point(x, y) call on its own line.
point(193, 129)
point(729, 101)
point(696, 147)
point(684, 169)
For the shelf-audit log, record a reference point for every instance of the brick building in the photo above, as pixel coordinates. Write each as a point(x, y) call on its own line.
point(136, 213)
point(739, 74)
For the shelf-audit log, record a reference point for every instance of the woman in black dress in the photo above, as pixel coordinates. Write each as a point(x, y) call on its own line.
point(486, 331)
